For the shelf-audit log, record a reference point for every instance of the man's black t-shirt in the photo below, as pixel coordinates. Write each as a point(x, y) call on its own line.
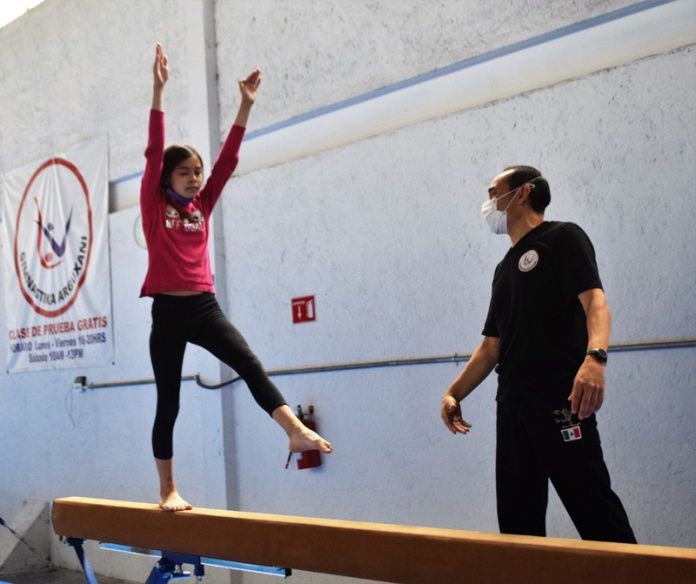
point(536, 313)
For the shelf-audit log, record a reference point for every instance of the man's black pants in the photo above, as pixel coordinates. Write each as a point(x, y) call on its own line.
point(531, 450)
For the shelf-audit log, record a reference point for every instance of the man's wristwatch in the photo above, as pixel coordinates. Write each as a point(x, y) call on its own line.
point(598, 354)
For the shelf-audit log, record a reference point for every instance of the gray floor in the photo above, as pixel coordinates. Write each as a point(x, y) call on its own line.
point(55, 577)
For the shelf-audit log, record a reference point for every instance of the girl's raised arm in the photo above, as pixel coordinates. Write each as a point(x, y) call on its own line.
point(249, 88)
point(160, 71)
point(229, 155)
point(154, 152)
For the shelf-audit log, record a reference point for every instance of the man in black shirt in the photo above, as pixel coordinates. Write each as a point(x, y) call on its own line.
point(546, 335)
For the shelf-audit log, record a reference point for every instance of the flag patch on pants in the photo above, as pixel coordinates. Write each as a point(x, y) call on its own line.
point(572, 433)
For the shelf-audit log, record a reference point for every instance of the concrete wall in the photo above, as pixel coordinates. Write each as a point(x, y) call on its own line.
point(317, 53)
point(385, 232)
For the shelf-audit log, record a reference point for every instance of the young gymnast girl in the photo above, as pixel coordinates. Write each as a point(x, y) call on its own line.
point(175, 211)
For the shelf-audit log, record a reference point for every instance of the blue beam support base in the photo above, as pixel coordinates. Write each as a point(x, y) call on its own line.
point(170, 565)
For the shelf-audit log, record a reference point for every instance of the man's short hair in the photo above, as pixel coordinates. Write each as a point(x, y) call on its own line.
point(540, 195)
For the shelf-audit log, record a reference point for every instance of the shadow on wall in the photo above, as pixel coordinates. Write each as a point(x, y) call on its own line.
point(31, 524)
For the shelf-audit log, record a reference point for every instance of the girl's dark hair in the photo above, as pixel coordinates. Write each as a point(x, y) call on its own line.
point(174, 155)
point(540, 195)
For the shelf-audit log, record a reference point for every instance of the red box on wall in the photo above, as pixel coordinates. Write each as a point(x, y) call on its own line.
point(303, 309)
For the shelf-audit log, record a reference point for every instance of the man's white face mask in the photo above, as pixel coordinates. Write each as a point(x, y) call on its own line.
point(496, 219)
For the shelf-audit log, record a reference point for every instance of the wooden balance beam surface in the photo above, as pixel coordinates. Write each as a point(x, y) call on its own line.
point(374, 551)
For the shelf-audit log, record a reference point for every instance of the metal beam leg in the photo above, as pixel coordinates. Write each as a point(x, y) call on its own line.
point(76, 544)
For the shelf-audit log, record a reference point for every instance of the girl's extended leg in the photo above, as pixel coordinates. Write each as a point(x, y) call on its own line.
point(217, 334)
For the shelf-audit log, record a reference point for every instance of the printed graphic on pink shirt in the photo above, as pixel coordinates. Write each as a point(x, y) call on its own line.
point(182, 220)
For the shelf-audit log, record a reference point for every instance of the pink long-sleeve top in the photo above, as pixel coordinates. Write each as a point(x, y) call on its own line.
point(176, 235)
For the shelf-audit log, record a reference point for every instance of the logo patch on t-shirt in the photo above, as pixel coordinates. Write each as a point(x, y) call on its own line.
point(528, 261)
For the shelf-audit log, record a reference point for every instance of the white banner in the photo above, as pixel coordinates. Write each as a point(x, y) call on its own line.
point(56, 261)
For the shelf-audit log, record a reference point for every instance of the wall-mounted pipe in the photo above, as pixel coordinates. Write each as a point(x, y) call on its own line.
point(81, 382)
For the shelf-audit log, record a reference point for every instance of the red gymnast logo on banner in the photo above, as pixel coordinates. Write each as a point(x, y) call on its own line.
point(53, 237)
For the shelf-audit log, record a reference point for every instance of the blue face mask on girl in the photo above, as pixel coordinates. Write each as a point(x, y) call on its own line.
point(176, 197)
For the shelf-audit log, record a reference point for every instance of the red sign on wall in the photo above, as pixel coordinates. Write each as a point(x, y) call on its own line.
point(303, 309)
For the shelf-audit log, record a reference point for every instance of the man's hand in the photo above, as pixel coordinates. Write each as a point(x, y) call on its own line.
point(451, 414)
point(588, 389)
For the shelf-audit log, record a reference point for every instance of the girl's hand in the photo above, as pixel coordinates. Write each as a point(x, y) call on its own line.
point(249, 87)
point(161, 67)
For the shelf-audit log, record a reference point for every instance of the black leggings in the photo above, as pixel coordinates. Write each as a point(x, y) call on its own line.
point(177, 320)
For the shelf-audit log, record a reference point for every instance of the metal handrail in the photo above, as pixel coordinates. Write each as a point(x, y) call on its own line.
point(82, 384)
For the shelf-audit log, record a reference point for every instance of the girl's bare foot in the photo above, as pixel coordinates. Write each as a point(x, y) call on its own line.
point(302, 438)
point(172, 501)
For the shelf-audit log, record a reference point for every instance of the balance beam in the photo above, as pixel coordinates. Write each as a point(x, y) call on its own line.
point(373, 551)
